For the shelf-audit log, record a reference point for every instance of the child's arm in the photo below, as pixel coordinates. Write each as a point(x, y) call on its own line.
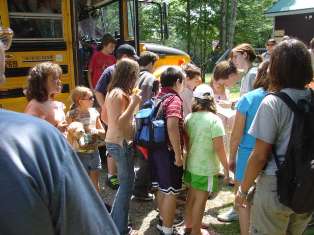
point(236, 135)
point(127, 115)
point(100, 129)
point(174, 137)
point(219, 148)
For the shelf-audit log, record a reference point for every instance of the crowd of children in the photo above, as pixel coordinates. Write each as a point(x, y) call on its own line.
point(195, 130)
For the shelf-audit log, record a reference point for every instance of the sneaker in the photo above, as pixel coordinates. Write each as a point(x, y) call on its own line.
point(174, 232)
point(113, 182)
point(131, 231)
point(177, 222)
point(143, 197)
point(228, 216)
point(159, 225)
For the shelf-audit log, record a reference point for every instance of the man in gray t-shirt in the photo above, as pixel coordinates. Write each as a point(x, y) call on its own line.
point(273, 123)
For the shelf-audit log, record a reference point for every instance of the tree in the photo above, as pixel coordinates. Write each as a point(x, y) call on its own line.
point(223, 24)
point(232, 23)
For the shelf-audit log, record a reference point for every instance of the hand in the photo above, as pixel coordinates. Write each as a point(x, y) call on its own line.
point(62, 126)
point(240, 200)
point(136, 99)
point(226, 180)
point(178, 162)
point(232, 165)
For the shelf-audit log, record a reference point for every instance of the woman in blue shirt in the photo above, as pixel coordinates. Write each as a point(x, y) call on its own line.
point(241, 143)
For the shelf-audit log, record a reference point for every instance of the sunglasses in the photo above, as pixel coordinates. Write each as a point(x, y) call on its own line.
point(89, 98)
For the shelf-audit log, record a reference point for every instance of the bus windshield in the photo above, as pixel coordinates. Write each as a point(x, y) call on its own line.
point(95, 23)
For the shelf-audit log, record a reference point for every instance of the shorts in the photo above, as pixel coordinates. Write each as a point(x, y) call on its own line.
point(269, 216)
point(166, 176)
point(203, 183)
point(90, 161)
point(241, 163)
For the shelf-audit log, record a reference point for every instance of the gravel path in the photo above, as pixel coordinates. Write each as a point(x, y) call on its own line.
point(144, 216)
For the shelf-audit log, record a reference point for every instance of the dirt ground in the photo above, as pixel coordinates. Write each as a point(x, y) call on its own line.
point(144, 215)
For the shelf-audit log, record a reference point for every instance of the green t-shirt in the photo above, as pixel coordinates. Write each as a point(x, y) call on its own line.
point(201, 128)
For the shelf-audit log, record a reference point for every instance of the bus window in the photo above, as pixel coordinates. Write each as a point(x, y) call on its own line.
point(107, 20)
point(36, 19)
point(131, 19)
point(149, 21)
point(150, 24)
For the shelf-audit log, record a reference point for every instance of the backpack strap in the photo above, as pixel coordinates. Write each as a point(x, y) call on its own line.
point(294, 108)
point(287, 100)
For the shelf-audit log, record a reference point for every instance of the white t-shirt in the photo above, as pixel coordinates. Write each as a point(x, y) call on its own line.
point(273, 123)
point(248, 80)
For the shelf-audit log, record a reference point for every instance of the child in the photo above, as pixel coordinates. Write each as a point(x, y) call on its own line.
point(205, 133)
point(118, 110)
point(193, 79)
point(82, 111)
point(43, 84)
point(101, 60)
point(221, 94)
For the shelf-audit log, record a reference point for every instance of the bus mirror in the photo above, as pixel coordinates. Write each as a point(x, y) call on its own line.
point(165, 19)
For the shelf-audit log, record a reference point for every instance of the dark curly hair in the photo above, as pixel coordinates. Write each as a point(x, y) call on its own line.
point(37, 80)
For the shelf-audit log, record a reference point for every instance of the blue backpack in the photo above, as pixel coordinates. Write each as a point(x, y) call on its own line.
point(151, 130)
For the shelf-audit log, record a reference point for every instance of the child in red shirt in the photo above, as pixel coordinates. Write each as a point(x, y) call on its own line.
point(101, 60)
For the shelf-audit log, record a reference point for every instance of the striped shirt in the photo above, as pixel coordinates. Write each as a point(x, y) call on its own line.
point(173, 107)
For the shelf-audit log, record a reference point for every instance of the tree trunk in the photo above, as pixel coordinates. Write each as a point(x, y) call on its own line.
point(223, 24)
point(232, 23)
point(188, 25)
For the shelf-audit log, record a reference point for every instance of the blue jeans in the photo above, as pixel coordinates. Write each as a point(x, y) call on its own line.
point(120, 208)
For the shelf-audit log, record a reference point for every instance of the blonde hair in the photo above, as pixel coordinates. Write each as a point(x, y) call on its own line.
point(37, 80)
point(77, 94)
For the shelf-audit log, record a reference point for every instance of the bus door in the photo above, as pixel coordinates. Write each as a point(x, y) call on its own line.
point(42, 32)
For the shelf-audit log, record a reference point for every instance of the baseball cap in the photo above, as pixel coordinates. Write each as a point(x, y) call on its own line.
point(127, 50)
point(202, 91)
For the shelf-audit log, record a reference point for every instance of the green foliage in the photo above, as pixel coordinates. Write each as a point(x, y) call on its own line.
point(252, 25)
point(196, 33)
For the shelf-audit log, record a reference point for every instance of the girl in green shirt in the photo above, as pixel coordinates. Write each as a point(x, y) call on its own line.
point(205, 148)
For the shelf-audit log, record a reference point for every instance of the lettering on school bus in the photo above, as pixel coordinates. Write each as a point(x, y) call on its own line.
point(11, 64)
point(38, 58)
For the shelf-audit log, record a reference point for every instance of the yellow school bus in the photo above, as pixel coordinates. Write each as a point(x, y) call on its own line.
point(62, 31)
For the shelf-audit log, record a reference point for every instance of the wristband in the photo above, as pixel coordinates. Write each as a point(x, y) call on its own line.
point(241, 193)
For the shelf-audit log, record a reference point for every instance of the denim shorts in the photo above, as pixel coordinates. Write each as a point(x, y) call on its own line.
point(90, 161)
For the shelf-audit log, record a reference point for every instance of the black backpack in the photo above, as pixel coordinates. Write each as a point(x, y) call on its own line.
point(295, 175)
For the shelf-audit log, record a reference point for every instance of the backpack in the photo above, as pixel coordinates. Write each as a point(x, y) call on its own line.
point(295, 175)
point(150, 122)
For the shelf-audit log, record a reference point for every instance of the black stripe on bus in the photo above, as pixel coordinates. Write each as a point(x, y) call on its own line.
point(19, 92)
point(37, 46)
point(23, 71)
